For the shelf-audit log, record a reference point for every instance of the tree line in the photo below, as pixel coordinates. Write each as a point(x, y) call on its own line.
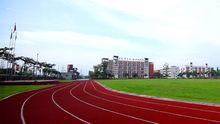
point(101, 72)
point(194, 74)
point(28, 69)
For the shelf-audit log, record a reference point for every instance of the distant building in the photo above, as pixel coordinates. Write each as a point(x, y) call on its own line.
point(67, 76)
point(197, 71)
point(151, 70)
point(69, 67)
point(129, 68)
point(170, 71)
point(71, 73)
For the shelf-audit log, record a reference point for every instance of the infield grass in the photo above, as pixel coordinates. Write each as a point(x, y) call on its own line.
point(9, 90)
point(199, 90)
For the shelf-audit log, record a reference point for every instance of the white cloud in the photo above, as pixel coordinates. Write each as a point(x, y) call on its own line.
point(64, 47)
point(176, 22)
point(186, 31)
point(80, 40)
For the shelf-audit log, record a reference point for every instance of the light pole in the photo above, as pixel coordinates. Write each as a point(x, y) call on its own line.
point(37, 56)
point(37, 62)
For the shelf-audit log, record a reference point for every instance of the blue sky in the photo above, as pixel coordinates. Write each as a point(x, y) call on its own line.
point(81, 32)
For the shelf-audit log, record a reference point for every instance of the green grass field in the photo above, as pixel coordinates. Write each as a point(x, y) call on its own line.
point(199, 90)
point(8, 90)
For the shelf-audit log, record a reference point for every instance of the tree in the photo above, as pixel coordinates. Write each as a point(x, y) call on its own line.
point(97, 73)
point(109, 74)
point(125, 75)
point(104, 69)
point(181, 74)
point(29, 65)
point(75, 73)
point(213, 72)
point(4, 52)
point(188, 74)
point(166, 70)
point(194, 74)
point(91, 75)
point(217, 72)
point(157, 75)
point(7, 56)
point(47, 70)
point(101, 71)
point(134, 75)
point(208, 73)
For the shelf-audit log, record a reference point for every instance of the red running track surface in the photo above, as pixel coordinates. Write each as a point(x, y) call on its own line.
point(89, 102)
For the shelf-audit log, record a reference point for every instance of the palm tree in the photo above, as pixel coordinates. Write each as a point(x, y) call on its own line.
point(47, 68)
point(5, 55)
point(28, 62)
point(3, 50)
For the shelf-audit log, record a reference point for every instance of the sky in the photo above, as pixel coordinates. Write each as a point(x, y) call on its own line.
point(81, 32)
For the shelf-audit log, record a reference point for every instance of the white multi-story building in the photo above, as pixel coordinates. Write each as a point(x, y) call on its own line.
point(126, 67)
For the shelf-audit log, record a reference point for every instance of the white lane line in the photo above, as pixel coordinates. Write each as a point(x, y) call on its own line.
point(24, 103)
point(197, 109)
point(129, 116)
point(149, 109)
point(65, 109)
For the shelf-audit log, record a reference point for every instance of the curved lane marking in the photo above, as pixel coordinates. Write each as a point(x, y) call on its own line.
point(149, 109)
point(129, 116)
point(211, 111)
point(65, 109)
point(24, 103)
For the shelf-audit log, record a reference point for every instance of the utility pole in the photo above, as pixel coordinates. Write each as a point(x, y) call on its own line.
point(37, 62)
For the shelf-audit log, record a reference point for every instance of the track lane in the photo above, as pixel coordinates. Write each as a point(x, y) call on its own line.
point(183, 112)
point(173, 103)
point(70, 99)
point(92, 103)
point(41, 109)
point(66, 111)
point(10, 108)
point(153, 115)
point(28, 100)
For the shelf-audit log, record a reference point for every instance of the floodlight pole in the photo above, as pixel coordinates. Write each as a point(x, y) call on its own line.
point(37, 61)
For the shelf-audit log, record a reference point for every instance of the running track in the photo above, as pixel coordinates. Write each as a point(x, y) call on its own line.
point(89, 102)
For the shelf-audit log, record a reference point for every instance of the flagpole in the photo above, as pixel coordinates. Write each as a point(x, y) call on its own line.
point(8, 61)
point(11, 65)
point(11, 59)
point(13, 48)
point(15, 38)
point(12, 41)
